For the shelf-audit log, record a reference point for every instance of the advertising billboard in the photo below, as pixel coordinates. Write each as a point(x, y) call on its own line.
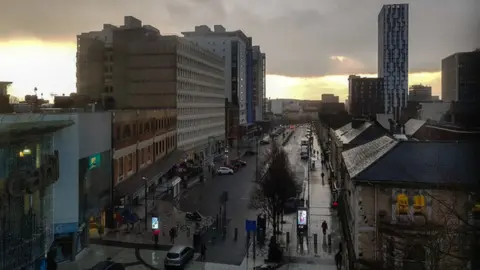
point(302, 219)
point(155, 225)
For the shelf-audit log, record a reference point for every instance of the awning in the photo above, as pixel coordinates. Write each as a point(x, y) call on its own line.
point(12, 132)
point(156, 170)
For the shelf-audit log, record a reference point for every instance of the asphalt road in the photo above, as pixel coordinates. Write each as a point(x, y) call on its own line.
point(205, 198)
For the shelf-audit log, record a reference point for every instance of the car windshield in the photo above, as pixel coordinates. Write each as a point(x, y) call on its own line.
point(173, 255)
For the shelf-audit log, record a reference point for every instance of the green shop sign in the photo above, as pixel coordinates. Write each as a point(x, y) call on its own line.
point(94, 161)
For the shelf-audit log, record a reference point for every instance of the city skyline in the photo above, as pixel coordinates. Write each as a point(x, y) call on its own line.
point(44, 57)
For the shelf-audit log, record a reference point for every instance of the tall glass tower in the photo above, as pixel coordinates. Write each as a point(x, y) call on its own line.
point(393, 56)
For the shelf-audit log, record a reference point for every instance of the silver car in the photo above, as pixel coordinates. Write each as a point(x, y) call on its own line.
point(178, 256)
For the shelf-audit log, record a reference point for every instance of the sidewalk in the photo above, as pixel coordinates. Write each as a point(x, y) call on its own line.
point(169, 216)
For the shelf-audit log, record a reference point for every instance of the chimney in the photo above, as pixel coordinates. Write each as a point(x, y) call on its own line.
point(356, 123)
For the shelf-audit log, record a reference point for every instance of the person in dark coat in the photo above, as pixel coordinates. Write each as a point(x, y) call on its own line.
point(338, 260)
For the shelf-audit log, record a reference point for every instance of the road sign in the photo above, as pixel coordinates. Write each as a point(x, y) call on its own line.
point(250, 225)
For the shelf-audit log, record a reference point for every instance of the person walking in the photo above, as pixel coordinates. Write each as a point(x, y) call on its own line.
point(155, 236)
point(338, 260)
point(172, 235)
point(324, 227)
point(203, 251)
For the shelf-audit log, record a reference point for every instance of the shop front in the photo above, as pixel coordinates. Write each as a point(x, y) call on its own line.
point(95, 187)
point(70, 239)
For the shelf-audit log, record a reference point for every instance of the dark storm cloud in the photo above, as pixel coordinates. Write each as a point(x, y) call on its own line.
point(299, 37)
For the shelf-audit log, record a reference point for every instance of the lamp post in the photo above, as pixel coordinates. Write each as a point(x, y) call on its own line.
point(146, 201)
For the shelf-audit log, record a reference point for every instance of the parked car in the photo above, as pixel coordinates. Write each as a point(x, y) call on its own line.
point(195, 216)
point(178, 256)
point(224, 170)
point(242, 162)
point(234, 168)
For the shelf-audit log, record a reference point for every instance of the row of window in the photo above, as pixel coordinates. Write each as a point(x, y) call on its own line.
point(131, 130)
point(204, 100)
point(200, 134)
point(199, 122)
point(188, 74)
point(197, 111)
point(182, 60)
point(187, 86)
point(198, 51)
point(126, 163)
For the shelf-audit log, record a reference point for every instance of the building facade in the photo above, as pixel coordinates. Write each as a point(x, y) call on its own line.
point(365, 96)
point(460, 80)
point(232, 47)
point(29, 167)
point(259, 83)
point(135, 67)
point(420, 93)
point(393, 56)
point(141, 141)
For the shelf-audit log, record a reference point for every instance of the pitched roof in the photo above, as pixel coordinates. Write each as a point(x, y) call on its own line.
point(342, 130)
point(361, 157)
point(351, 134)
point(413, 125)
point(422, 162)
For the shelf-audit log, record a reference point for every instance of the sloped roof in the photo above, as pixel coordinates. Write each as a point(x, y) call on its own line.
point(361, 157)
point(339, 132)
point(382, 119)
point(351, 134)
point(400, 137)
point(424, 162)
point(413, 125)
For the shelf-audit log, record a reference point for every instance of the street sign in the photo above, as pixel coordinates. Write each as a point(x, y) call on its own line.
point(250, 225)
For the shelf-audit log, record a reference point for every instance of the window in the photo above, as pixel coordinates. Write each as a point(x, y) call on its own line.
point(129, 163)
point(127, 132)
point(120, 166)
point(142, 156)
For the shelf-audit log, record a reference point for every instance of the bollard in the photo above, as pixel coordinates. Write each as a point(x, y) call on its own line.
point(330, 240)
point(235, 234)
point(288, 237)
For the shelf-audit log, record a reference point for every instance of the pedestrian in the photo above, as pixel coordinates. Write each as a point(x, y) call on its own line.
point(323, 175)
point(155, 236)
point(172, 235)
point(203, 251)
point(324, 227)
point(338, 260)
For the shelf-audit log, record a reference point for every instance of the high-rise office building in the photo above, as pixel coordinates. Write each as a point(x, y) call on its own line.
point(133, 66)
point(259, 83)
point(231, 46)
point(460, 78)
point(393, 56)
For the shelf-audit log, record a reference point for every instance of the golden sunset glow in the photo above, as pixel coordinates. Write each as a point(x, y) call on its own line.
point(51, 68)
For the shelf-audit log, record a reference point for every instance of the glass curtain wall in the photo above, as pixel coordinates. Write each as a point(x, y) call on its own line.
point(26, 221)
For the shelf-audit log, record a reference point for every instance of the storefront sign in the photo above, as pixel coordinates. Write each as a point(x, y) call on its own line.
point(419, 203)
point(94, 161)
point(155, 223)
point(402, 204)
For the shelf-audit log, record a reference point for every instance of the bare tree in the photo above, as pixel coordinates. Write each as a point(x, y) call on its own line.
point(273, 189)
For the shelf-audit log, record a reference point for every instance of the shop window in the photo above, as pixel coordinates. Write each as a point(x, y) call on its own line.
point(402, 204)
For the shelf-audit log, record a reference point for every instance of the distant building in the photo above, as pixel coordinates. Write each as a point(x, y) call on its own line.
point(460, 79)
point(365, 96)
point(258, 83)
point(393, 56)
point(232, 46)
point(420, 93)
point(329, 98)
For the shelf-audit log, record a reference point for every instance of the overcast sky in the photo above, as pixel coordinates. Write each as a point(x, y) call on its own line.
point(300, 37)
